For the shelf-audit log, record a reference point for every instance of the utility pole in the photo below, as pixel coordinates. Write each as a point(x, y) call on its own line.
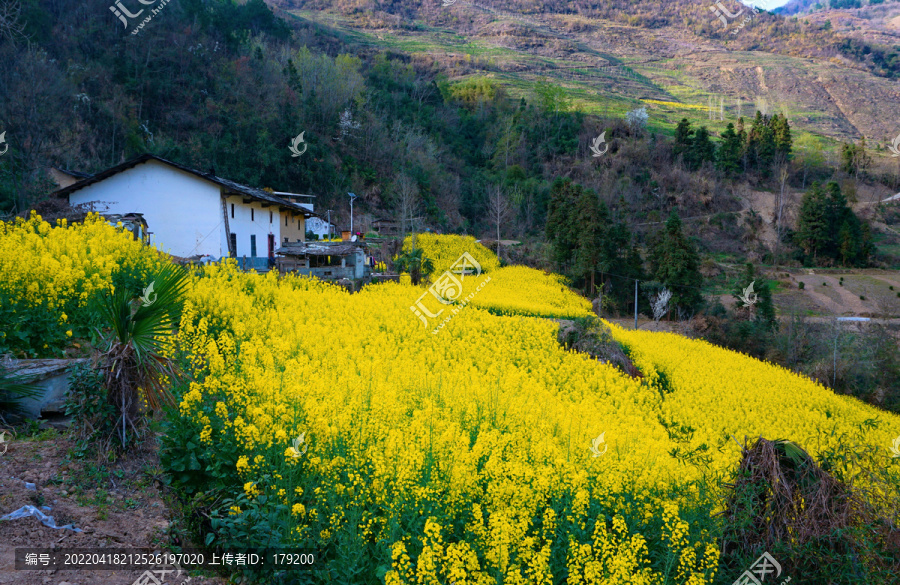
point(352, 197)
point(635, 302)
point(834, 366)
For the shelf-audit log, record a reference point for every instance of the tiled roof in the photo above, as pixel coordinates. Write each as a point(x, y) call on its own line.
point(230, 187)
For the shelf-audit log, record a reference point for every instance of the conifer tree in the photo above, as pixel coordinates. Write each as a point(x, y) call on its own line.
point(675, 263)
point(812, 223)
point(702, 148)
point(782, 136)
point(828, 228)
point(742, 140)
point(728, 157)
point(684, 138)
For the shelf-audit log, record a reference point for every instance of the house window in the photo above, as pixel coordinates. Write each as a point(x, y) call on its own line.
point(252, 216)
point(232, 211)
point(285, 240)
point(270, 217)
point(234, 244)
point(285, 219)
point(253, 245)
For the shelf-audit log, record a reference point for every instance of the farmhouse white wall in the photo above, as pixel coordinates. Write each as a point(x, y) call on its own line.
point(252, 219)
point(183, 212)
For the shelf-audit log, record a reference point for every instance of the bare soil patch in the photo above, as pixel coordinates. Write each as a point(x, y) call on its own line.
point(118, 505)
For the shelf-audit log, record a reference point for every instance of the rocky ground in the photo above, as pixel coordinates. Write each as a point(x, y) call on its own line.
point(116, 505)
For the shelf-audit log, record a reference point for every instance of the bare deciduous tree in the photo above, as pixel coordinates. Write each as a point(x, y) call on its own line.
point(408, 205)
point(11, 28)
point(783, 174)
point(499, 210)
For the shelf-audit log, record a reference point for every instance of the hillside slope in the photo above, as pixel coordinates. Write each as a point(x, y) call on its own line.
point(773, 64)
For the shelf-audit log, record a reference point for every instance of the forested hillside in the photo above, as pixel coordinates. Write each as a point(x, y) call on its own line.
point(224, 86)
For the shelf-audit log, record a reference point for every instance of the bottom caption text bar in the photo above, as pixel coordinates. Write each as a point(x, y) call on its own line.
point(131, 559)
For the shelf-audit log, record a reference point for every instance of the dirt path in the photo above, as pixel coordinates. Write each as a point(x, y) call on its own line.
point(117, 506)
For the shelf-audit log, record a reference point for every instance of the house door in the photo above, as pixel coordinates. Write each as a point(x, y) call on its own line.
point(271, 249)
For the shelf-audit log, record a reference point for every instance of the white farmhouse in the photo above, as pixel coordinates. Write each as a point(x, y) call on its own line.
point(191, 213)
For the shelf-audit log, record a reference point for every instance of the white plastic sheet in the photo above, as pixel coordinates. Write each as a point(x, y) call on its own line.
point(26, 511)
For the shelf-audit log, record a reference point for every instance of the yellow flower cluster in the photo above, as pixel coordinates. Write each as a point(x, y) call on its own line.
point(445, 250)
point(518, 290)
point(65, 263)
point(400, 421)
point(722, 394)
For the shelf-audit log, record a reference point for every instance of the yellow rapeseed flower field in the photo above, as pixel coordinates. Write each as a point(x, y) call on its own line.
point(479, 453)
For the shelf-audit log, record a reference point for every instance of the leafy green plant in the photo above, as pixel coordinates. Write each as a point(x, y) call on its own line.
point(93, 417)
point(415, 263)
point(133, 360)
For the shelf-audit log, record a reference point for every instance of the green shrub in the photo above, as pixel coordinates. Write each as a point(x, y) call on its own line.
point(802, 285)
point(93, 418)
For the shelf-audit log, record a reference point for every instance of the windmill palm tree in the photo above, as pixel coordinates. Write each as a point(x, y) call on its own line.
point(415, 263)
point(132, 358)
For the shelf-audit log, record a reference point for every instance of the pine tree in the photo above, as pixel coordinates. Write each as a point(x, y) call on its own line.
point(828, 228)
point(812, 223)
point(561, 223)
point(684, 139)
point(588, 245)
point(675, 263)
point(593, 228)
point(742, 140)
point(728, 159)
point(782, 136)
point(703, 150)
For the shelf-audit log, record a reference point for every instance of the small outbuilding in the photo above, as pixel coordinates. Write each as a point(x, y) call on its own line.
point(326, 260)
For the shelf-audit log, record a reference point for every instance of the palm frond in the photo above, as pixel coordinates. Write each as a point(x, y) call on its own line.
point(134, 353)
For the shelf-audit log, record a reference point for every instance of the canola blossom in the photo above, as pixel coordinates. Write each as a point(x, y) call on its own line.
point(481, 432)
point(484, 454)
point(49, 275)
